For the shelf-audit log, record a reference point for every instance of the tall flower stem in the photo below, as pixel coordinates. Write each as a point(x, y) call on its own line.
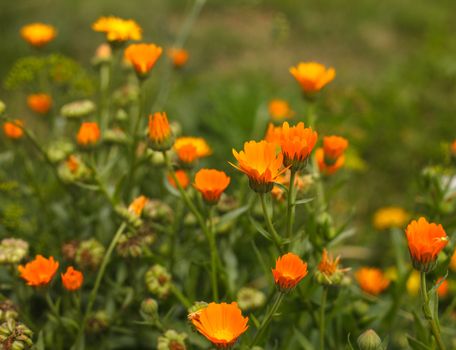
point(206, 227)
point(291, 203)
point(272, 231)
point(99, 278)
point(267, 319)
point(324, 296)
point(432, 318)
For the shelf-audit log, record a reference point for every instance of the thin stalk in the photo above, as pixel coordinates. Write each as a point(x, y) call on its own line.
point(428, 313)
point(178, 294)
point(267, 319)
point(99, 278)
point(272, 231)
point(204, 226)
point(214, 254)
point(291, 203)
point(324, 296)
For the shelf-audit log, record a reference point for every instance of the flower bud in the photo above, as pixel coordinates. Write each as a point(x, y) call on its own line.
point(103, 54)
point(59, 150)
point(250, 298)
point(172, 340)
point(12, 250)
point(132, 244)
point(115, 136)
point(158, 281)
point(126, 95)
point(8, 311)
point(15, 336)
point(78, 109)
point(69, 250)
point(2, 107)
point(325, 226)
point(74, 170)
point(369, 340)
point(98, 322)
point(149, 309)
point(89, 254)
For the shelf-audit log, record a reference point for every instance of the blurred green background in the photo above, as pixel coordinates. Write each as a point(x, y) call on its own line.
point(393, 97)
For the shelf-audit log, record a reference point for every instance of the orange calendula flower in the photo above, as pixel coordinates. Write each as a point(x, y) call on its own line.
point(211, 183)
point(178, 56)
point(13, 130)
point(118, 29)
point(39, 272)
point(389, 217)
point(38, 34)
point(137, 205)
point(328, 271)
point(372, 280)
point(73, 163)
point(324, 168)
point(143, 57)
point(312, 76)
point(273, 134)
point(453, 261)
point(279, 110)
point(88, 134)
point(443, 289)
point(190, 148)
point(425, 241)
point(72, 279)
point(160, 133)
point(261, 163)
point(222, 324)
point(39, 103)
point(297, 142)
point(289, 270)
point(334, 147)
point(182, 178)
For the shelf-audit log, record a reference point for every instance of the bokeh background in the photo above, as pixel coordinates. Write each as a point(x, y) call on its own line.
point(393, 97)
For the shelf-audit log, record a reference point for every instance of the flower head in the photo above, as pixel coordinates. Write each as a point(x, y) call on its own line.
point(289, 270)
point(389, 217)
point(312, 76)
point(323, 167)
point(88, 134)
point(143, 57)
point(178, 56)
point(425, 241)
point(39, 272)
point(136, 207)
point(160, 133)
point(211, 183)
point(273, 134)
point(72, 279)
point(372, 280)
point(73, 163)
point(222, 324)
point(39, 103)
point(297, 142)
point(38, 34)
point(189, 149)
point(261, 163)
point(118, 29)
point(334, 147)
point(13, 130)
point(328, 271)
point(279, 110)
point(181, 177)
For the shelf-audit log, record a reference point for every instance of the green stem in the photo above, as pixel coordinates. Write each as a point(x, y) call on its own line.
point(214, 254)
point(324, 296)
point(428, 313)
point(267, 319)
point(99, 278)
point(291, 203)
point(178, 294)
point(205, 227)
point(272, 231)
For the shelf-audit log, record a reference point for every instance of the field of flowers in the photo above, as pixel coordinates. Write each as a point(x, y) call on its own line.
point(252, 175)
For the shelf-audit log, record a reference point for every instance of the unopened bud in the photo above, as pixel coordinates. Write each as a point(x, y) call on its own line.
point(369, 340)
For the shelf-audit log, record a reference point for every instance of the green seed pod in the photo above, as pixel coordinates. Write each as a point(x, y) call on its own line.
point(15, 336)
point(13, 250)
point(89, 254)
point(250, 298)
point(172, 340)
point(78, 109)
point(8, 311)
point(158, 281)
point(98, 322)
point(149, 309)
point(369, 340)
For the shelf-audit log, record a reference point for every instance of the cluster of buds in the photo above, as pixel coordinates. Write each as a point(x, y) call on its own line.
point(13, 250)
point(73, 169)
point(132, 244)
point(250, 298)
point(8, 311)
point(172, 340)
point(89, 254)
point(158, 281)
point(59, 150)
point(15, 336)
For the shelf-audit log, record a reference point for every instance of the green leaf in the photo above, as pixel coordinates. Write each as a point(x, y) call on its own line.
point(281, 186)
point(302, 340)
point(230, 216)
point(349, 344)
point(255, 321)
point(260, 229)
point(304, 201)
point(416, 344)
